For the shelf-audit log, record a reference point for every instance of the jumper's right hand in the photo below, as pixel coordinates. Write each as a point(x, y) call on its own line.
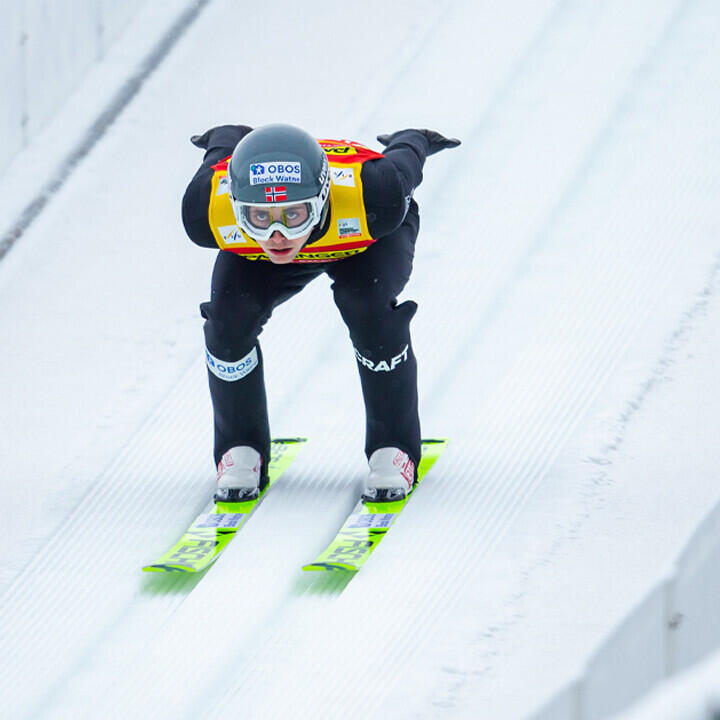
point(203, 141)
point(436, 141)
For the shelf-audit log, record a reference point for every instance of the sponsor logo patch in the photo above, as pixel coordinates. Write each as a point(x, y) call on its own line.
point(349, 227)
point(371, 520)
point(220, 520)
point(339, 149)
point(232, 371)
point(343, 176)
point(223, 187)
point(383, 365)
point(231, 234)
point(406, 466)
point(313, 257)
point(280, 171)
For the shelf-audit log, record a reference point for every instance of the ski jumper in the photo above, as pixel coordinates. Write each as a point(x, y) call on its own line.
point(366, 246)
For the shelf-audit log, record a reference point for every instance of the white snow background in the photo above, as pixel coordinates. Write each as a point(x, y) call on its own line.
point(567, 272)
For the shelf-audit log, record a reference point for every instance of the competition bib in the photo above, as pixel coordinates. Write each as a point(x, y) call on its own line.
point(347, 233)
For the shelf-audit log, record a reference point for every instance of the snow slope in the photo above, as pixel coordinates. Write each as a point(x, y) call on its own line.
point(567, 275)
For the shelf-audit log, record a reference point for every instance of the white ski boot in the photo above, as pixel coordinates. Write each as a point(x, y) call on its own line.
point(392, 476)
point(239, 475)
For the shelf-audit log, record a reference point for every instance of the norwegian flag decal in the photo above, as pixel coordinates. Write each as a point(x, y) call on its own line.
point(276, 193)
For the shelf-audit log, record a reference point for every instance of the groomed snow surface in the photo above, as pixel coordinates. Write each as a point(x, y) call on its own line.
point(567, 273)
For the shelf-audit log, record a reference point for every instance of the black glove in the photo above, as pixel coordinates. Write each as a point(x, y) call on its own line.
point(202, 141)
point(436, 141)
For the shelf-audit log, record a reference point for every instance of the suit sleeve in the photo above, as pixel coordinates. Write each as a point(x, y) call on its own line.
point(219, 142)
point(389, 182)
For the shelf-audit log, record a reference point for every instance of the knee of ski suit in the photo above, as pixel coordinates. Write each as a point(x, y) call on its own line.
point(373, 316)
point(232, 328)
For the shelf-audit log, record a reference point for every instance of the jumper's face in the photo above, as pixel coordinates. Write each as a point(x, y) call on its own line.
point(277, 247)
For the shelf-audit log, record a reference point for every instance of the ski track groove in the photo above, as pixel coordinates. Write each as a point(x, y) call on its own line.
point(64, 556)
point(505, 279)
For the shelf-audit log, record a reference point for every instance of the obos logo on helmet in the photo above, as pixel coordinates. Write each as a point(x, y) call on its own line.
point(280, 171)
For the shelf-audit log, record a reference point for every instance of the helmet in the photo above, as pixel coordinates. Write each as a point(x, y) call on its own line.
point(278, 166)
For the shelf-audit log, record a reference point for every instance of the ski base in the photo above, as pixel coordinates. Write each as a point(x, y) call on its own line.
point(212, 530)
point(369, 522)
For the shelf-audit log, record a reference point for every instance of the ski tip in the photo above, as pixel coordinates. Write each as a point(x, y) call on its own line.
point(289, 440)
point(332, 567)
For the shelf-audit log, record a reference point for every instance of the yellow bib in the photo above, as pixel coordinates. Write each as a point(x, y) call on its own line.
point(347, 232)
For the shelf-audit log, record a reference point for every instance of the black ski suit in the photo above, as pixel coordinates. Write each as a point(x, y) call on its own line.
point(365, 288)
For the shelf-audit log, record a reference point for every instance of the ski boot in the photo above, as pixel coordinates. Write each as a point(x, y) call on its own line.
point(392, 476)
point(240, 475)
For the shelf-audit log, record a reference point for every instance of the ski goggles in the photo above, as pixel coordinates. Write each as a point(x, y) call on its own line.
point(292, 219)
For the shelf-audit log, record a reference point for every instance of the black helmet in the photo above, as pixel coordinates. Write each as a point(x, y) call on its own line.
point(278, 165)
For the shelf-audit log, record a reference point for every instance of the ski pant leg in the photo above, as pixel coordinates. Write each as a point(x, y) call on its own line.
point(243, 296)
point(366, 289)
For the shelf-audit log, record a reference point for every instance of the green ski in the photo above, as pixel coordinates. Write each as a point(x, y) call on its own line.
point(216, 526)
point(368, 523)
